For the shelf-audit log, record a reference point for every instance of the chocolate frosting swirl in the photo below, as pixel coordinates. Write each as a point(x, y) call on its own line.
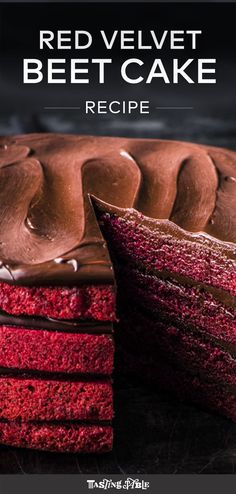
point(49, 233)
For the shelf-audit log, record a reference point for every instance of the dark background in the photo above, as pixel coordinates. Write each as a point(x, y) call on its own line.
point(154, 433)
point(19, 38)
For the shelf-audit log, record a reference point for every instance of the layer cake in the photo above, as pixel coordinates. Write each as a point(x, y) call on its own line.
point(96, 232)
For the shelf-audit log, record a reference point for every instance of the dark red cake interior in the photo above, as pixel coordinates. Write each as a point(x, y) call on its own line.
point(68, 438)
point(102, 232)
point(86, 302)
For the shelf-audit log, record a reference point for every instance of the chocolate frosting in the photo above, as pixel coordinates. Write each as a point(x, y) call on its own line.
point(59, 325)
point(49, 233)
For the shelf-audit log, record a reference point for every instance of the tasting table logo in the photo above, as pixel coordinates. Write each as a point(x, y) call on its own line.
point(126, 484)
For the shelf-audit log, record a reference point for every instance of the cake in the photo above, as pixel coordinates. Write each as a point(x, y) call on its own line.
point(101, 233)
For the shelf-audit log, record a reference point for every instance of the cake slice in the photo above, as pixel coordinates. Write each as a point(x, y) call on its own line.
point(60, 438)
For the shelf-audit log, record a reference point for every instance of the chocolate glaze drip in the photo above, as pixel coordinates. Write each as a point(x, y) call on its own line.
point(49, 232)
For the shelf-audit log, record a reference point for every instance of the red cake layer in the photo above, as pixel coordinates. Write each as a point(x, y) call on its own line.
point(31, 399)
point(158, 372)
point(186, 304)
point(136, 243)
point(140, 332)
point(91, 302)
point(59, 438)
point(53, 351)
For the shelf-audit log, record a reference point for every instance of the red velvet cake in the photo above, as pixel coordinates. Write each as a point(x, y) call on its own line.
point(101, 231)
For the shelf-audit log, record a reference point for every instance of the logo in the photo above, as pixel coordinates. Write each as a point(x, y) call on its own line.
point(127, 484)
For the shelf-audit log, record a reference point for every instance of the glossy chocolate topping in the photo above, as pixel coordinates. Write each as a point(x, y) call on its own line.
point(49, 233)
